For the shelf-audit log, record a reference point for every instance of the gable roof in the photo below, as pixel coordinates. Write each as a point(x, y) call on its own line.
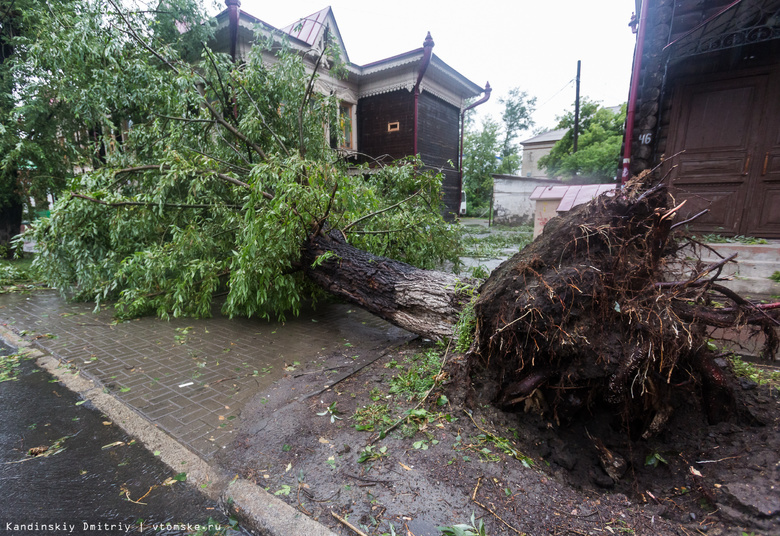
point(544, 137)
point(383, 76)
point(311, 29)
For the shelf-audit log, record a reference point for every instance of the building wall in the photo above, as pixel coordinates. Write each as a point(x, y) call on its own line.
point(702, 169)
point(532, 152)
point(511, 200)
point(374, 114)
point(438, 140)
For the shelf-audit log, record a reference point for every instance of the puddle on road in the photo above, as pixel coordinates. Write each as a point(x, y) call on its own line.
point(101, 481)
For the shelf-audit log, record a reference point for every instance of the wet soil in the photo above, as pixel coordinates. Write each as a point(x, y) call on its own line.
point(547, 479)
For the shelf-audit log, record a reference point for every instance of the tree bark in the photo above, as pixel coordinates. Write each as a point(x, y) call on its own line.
point(424, 302)
point(10, 225)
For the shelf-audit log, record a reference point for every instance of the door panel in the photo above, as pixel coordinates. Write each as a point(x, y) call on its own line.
point(762, 211)
point(717, 124)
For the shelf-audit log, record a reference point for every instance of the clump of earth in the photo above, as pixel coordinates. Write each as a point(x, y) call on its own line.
point(519, 472)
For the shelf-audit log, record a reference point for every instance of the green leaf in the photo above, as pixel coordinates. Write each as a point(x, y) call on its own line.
point(285, 490)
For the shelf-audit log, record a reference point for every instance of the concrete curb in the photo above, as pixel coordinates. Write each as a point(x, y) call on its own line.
point(256, 509)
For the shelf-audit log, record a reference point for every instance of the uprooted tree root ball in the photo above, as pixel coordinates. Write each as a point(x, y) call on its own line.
point(604, 307)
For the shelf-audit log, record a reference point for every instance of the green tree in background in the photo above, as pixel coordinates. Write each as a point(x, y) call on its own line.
point(492, 149)
point(480, 161)
point(516, 117)
point(598, 147)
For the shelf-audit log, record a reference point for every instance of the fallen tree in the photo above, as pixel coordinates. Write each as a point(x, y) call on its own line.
point(609, 304)
point(229, 187)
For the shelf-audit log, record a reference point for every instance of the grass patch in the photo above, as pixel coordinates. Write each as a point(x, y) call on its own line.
point(373, 417)
point(412, 379)
point(739, 239)
point(18, 274)
point(756, 373)
point(417, 376)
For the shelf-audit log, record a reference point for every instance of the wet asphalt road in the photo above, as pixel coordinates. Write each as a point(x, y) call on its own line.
point(100, 483)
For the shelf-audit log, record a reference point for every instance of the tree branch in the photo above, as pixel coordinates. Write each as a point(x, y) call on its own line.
point(140, 41)
point(367, 216)
point(306, 96)
point(187, 119)
point(145, 204)
point(230, 128)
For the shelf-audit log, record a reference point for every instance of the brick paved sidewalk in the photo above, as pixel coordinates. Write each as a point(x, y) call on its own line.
point(190, 377)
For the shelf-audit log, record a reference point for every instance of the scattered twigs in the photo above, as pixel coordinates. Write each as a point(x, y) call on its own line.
point(300, 504)
point(127, 494)
point(423, 399)
point(348, 524)
point(484, 507)
point(388, 483)
point(689, 220)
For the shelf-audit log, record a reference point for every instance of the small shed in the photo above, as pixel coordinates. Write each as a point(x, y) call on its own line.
point(554, 200)
point(512, 204)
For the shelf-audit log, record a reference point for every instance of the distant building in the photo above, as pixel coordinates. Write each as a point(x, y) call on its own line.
point(537, 147)
point(512, 203)
point(400, 106)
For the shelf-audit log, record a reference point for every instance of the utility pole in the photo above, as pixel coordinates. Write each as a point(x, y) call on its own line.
point(577, 108)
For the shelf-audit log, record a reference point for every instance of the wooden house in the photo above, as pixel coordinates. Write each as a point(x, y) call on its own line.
point(706, 98)
point(404, 105)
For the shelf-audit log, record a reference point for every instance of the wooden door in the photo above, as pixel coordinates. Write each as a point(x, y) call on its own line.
point(762, 212)
point(729, 132)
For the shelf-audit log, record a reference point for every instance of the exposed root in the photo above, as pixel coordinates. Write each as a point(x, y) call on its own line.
point(603, 306)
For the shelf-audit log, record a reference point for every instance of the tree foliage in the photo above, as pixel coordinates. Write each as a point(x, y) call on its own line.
point(492, 148)
point(480, 161)
point(598, 145)
point(224, 173)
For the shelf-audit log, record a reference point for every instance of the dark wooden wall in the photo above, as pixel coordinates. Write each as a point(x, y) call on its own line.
point(669, 20)
point(438, 135)
point(438, 139)
point(726, 149)
point(374, 114)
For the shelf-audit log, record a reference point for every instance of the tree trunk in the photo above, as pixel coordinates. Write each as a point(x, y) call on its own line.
point(585, 314)
point(424, 302)
point(10, 225)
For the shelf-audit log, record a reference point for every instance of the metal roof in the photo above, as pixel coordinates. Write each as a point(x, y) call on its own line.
point(308, 28)
point(550, 135)
point(570, 196)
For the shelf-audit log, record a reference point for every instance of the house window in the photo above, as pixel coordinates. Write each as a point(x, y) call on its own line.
point(394, 127)
point(345, 124)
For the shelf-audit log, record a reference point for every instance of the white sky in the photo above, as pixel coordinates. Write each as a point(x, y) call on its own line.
point(534, 45)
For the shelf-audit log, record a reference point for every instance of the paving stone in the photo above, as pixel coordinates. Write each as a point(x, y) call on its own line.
point(154, 357)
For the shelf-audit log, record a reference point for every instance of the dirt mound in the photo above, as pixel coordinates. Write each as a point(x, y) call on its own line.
point(521, 473)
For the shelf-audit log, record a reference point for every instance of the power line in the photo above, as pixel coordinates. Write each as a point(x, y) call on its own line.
point(557, 93)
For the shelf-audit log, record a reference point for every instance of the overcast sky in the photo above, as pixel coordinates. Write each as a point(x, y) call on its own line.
point(533, 45)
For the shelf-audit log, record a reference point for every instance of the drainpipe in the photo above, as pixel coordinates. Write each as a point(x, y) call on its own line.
point(483, 100)
point(632, 95)
point(426, 60)
point(233, 12)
